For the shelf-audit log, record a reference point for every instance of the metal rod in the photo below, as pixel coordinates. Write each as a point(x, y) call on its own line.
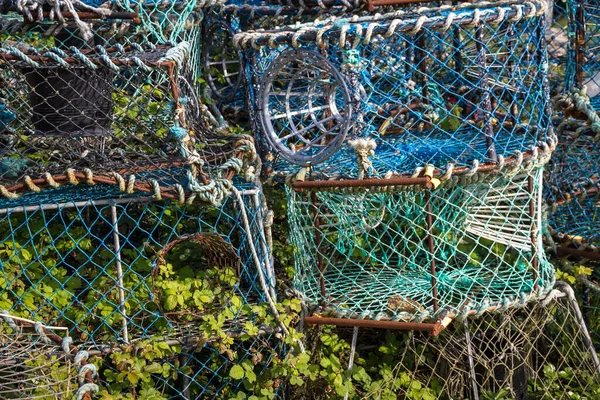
point(421, 58)
point(431, 243)
point(568, 290)
point(84, 203)
point(383, 28)
point(567, 251)
point(579, 42)
point(300, 185)
point(320, 263)
point(456, 47)
point(117, 244)
point(432, 329)
point(185, 381)
point(542, 59)
point(514, 108)
point(534, 228)
point(568, 197)
point(134, 17)
point(352, 353)
point(28, 322)
point(471, 362)
point(486, 104)
point(406, 180)
point(263, 241)
point(92, 58)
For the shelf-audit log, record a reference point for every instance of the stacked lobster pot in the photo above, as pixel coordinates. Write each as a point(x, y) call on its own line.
point(412, 145)
point(573, 176)
point(117, 195)
point(572, 192)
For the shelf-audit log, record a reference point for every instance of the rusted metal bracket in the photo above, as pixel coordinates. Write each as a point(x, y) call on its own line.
point(433, 329)
point(563, 251)
point(425, 182)
point(134, 17)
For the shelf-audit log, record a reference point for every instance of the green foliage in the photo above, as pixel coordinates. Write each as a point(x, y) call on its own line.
point(558, 384)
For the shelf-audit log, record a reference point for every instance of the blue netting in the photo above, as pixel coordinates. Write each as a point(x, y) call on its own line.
point(429, 87)
point(105, 270)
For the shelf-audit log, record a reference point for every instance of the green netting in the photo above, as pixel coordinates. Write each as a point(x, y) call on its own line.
point(472, 244)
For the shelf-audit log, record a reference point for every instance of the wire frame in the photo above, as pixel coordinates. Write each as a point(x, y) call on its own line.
point(222, 62)
point(303, 86)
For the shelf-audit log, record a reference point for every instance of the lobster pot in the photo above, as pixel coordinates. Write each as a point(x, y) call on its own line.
point(128, 111)
point(541, 350)
point(398, 249)
point(426, 87)
point(110, 270)
point(127, 23)
point(573, 188)
point(99, 263)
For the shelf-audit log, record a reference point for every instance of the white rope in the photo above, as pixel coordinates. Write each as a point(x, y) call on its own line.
point(316, 31)
point(258, 264)
point(8, 317)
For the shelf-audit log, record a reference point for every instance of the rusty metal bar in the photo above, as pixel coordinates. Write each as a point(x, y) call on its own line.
point(579, 42)
point(568, 197)
point(406, 179)
point(320, 263)
point(456, 47)
point(142, 187)
point(134, 17)
point(534, 261)
point(486, 104)
point(514, 108)
point(401, 181)
point(567, 251)
point(431, 243)
point(421, 58)
point(74, 61)
point(433, 329)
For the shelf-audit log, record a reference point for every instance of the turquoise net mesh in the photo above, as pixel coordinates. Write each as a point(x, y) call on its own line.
point(406, 255)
